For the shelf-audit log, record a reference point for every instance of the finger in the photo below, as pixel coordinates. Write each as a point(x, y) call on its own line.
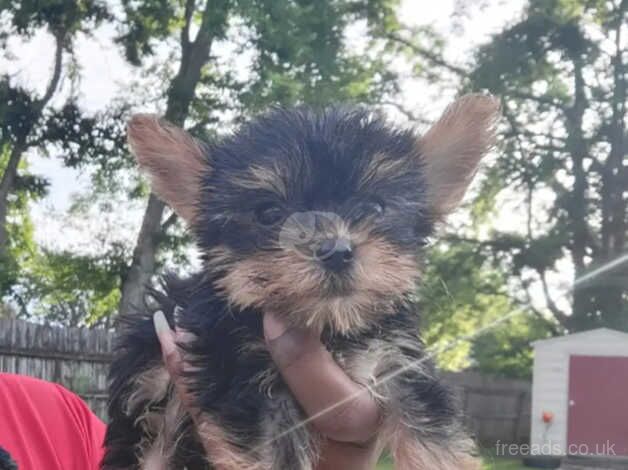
point(166, 336)
point(339, 408)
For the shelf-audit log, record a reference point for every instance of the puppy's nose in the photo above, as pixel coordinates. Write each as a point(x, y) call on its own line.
point(336, 254)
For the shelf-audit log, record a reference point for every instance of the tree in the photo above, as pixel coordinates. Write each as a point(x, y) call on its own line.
point(21, 112)
point(299, 55)
point(561, 71)
point(71, 289)
point(34, 279)
point(28, 122)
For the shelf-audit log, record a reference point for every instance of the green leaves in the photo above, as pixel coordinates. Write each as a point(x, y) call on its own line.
point(68, 16)
point(506, 349)
point(72, 289)
point(19, 226)
point(18, 112)
point(146, 24)
point(302, 55)
point(470, 319)
point(87, 140)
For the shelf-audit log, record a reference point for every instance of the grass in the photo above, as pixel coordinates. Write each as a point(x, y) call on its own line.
point(503, 464)
point(490, 463)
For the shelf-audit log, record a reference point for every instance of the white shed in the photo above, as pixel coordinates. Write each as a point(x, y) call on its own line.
point(580, 394)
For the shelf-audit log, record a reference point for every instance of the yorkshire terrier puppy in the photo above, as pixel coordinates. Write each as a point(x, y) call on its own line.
point(318, 216)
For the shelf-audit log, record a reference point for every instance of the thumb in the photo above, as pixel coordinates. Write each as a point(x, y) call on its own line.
point(340, 408)
point(288, 345)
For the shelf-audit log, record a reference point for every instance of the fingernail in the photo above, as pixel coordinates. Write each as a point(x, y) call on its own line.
point(160, 322)
point(273, 327)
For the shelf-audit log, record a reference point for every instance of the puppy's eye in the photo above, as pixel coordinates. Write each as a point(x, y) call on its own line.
point(373, 209)
point(268, 213)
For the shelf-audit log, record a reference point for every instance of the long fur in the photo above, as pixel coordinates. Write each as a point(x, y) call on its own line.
point(338, 162)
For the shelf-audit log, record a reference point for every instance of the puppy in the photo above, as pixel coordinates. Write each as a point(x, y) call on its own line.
point(318, 216)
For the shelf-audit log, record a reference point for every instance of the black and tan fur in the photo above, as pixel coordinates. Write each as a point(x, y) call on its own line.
point(336, 173)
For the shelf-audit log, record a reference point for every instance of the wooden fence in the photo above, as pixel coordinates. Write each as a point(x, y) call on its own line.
point(496, 409)
point(74, 357)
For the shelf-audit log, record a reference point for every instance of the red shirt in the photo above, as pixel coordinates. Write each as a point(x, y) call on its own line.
point(44, 426)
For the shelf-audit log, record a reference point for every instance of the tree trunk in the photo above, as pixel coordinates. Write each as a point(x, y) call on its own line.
point(6, 187)
point(577, 207)
point(194, 56)
point(143, 264)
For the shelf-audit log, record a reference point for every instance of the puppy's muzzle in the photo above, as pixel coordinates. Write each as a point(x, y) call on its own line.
point(335, 254)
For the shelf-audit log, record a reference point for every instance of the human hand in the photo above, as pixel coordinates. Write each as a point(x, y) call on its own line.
point(343, 411)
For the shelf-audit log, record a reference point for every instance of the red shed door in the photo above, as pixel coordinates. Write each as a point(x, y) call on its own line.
point(598, 405)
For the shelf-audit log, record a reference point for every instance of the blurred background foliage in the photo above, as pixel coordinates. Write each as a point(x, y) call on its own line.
point(549, 207)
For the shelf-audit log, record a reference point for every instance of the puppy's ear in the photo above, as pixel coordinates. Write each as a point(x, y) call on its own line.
point(173, 159)
point(453, 147)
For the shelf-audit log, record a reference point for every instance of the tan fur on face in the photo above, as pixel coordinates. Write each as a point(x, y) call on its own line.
point(294, 286)
point(451, 150)
point(173, 159)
